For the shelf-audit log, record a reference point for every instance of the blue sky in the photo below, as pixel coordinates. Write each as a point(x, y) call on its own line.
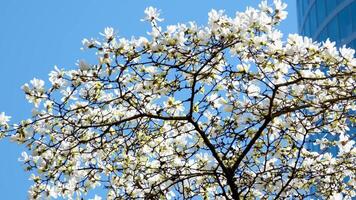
point(36, 35)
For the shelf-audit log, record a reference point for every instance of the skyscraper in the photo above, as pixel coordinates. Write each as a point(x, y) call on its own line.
point(334, 19)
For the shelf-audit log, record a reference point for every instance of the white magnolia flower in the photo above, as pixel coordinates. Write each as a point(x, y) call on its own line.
point(228, 107)
point(212, 97)
point(280, 7)
point(37, 84)
point(170, 195)
point(336, 196)
point(345, 144)
point(173, 105)
point(86, 42)
point(52, 191)
point(152, 14)
point(271, 163)
point(4, 119)
point(220, 101)
point(55, 77)
point(264, 6)
point(347, 53)
point(142, 41)
point(24, 157)
point(328, 44)
point(307, 73)
point(243, 67)
point(26, 88)
point(215, 15)
point(83, 65)
point(108, 33)
point(253, 90)
point(89, 43)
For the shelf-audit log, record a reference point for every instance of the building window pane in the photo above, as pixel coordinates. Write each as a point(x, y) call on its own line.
point(353, 11)
point(305, 5)
point(300, 15)
point(333, 30)
point(323, 35)
point(313, 23)
point(307, 27)
point(351, 44)
point(331, 5)
point(320, 5)
point(345, 23)
point(300, 7)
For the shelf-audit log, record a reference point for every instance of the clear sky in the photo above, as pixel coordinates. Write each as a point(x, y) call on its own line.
point(36, 35)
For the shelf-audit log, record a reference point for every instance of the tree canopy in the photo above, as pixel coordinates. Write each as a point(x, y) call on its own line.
point(228, 110)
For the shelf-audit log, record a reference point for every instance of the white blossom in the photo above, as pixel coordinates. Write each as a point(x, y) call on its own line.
point(109, 34)
point(4, 119)
point(24, 157)
point(37, 84)
point(336, 196)
point(152, 14)
point(253, 90)
point(345, 144)
point(83, 65)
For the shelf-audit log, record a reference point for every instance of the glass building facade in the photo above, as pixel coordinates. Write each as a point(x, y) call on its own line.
point(334, 19)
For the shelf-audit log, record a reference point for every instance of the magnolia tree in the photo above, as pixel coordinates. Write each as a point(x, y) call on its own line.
point(223, 111)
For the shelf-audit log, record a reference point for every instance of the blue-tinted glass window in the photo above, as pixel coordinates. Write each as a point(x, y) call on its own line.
point(333, 30)
point(323, 35)
point(300, 7)
point(307, 27)
point(300, 15)
point(305, 5)
point(313, 22)
point(353, 11)
point(345, 23)
point(351, 44)
point(301, 2)
point(331, 5)
point(321, 10)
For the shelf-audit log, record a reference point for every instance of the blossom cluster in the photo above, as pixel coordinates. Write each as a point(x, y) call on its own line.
point(228, 110)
